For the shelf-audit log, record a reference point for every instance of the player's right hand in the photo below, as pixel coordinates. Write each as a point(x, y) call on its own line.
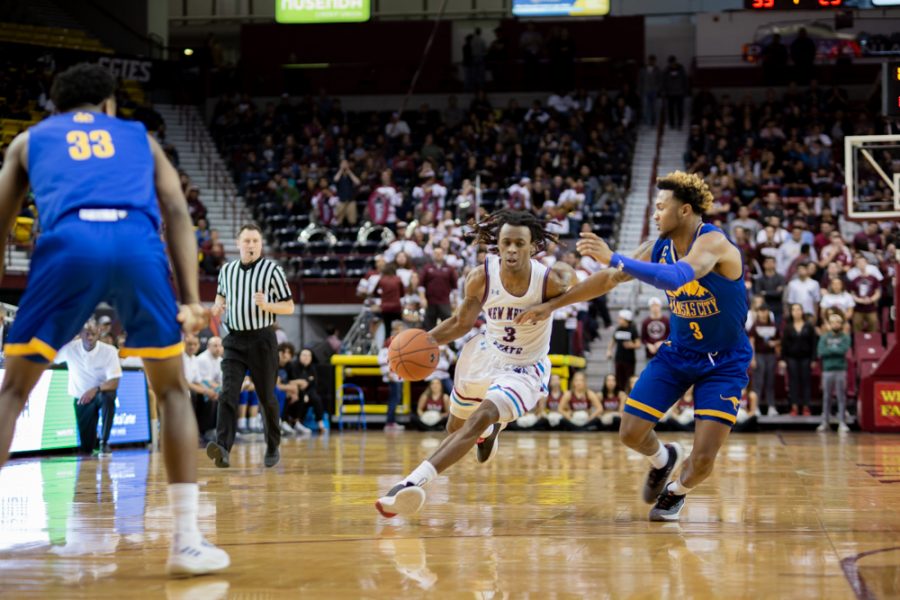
point(193, 317)
point(541, 312)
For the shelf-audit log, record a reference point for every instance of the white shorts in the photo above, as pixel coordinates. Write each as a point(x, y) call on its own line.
point(482, 374)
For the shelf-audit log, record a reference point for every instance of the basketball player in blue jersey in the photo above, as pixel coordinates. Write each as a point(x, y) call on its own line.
point(100, 184)
point(701, 272)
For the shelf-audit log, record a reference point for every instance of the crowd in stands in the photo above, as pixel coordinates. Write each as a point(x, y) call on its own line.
point(775, 168)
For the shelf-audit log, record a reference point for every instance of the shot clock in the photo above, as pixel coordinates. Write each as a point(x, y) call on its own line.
point(891, 88)
point(792, 4)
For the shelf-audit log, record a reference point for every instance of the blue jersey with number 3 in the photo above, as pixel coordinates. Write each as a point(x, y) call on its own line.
point(708, 314)
point(90, 160)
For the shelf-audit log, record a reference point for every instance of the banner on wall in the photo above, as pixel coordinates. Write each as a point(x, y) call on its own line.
point(322, 11)
point(560, 8)
point(48, 420)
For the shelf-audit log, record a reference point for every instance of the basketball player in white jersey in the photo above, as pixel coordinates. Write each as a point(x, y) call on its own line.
point(503, 373)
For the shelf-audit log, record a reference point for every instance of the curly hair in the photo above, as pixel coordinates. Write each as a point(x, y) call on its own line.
point(688, 188)
point(487, 231)
point(85, 83)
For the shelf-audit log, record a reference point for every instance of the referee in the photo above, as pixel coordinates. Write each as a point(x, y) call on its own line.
point(250, 293)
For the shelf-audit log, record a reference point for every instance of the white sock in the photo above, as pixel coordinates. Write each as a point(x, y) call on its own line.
point(677, 488)
point(242, 423)
point(661, 458)
point(184, 500)
point(422, 475)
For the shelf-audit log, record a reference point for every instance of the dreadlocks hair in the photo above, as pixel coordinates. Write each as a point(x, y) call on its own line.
point(487, 231)
point(688, 188)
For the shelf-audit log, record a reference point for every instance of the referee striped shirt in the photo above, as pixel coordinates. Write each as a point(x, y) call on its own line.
point(237, 284)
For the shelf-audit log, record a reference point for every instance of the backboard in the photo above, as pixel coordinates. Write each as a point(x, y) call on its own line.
point(872, 176)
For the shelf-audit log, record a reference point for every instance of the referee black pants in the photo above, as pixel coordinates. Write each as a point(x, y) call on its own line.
point(257, 351)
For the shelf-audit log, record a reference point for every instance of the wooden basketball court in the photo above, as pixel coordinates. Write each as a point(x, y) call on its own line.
point(555, 516)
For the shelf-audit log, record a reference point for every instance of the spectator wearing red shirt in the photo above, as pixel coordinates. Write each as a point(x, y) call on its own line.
point(866, 291)
point(655, 328)
point(390, 289)
point(869, 240)
point(438, 279)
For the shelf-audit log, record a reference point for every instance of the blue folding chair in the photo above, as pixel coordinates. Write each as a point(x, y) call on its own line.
point(354, 394)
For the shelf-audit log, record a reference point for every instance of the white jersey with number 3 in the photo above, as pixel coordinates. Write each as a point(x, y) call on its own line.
point(517, 344)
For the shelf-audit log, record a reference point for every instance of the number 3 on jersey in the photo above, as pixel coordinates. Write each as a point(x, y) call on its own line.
point(510, 334)
point(695, 328)
point(85, 144)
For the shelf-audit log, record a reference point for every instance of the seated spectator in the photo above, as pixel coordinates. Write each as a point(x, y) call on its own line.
point(433, 407)
point(612, 399)
point(287, 392)
point(549, 405)
point(305, 376)
point(201, 381)
point(580, 406)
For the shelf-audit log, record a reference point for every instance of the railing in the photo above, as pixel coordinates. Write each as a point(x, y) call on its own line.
point(218, 179)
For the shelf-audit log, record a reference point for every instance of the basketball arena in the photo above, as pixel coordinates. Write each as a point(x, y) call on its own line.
point(450, 298)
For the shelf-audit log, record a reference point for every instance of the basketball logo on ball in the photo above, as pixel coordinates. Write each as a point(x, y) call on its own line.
point(413, 355)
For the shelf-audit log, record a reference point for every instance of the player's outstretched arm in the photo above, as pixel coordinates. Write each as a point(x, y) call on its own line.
point(13, 185)
point(705, 254)
point(180, 239)
point(468, 310)
point(593, 287)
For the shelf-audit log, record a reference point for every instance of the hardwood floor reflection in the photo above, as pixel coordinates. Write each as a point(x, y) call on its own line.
point(555, 516)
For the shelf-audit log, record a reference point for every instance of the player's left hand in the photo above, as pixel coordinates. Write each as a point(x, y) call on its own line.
point(591, 245)
point(541, 312)
point(259, 298)
point(193, 317)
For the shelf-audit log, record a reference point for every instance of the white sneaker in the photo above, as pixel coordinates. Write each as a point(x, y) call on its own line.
point(823, 428)
point(301, 430)
point(286, 429)
point(772, 412)
point(842, 428)
point(195, 557)
point(404, 499)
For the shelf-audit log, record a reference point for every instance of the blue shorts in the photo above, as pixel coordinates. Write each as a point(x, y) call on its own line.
point(718, 379)
point(81, 263)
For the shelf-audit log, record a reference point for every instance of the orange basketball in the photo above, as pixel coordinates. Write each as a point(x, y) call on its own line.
point(412, 355)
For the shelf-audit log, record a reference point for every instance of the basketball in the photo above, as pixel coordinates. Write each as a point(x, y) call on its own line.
point(412, 355)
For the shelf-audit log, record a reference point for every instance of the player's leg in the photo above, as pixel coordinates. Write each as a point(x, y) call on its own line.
point(407, 497)
point(146, 305)
point(716, 403)
point(189, 554)
point(659, 386)
point(20, 378)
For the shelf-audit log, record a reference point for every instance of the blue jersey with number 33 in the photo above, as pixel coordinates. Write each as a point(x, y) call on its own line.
point(708, 314)
point(90, 160)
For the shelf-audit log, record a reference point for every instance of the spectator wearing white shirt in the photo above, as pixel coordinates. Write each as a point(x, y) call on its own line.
point(204, 396)
point(790, 249)
point(836, 296)
point(384, 200)
point(520, 195)
point(803, 291)
point(396, 127)
point(402, 245)
point(430, 196)
point(94, 374)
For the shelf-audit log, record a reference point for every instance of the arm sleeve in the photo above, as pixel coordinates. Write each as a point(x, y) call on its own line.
point(666, 277)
